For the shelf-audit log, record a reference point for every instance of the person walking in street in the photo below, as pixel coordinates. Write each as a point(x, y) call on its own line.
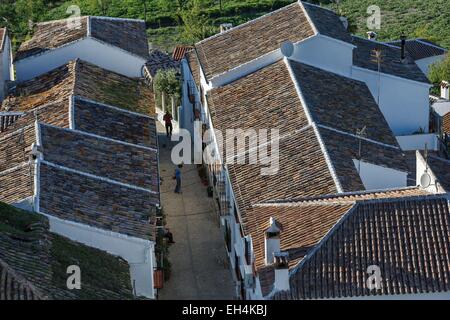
point(178, 178)
point(168, 121)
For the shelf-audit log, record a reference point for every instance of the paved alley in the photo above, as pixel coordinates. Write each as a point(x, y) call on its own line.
point(200, 269)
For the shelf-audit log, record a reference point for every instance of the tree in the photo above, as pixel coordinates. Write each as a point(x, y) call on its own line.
point(168, 82)
point(196, 24)
point(440, 70)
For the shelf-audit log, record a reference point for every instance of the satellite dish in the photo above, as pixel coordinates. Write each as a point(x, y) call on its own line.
point(287, 49)
point(425, 180)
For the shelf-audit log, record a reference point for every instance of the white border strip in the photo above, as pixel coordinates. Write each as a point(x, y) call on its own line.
point(129, 186)
point(71, 112)
point(18, 167)
point(37, 184)
point(328, 160)
point(358, 137)
point(98, 230)
point(73, 131)
point(299, 90)
point(11, 134)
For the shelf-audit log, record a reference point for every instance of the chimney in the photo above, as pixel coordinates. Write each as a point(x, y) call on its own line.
point(445, 90)
point(344, 21)
point(272, 241)
point(372, 35)
point(281, 264)
point(403, 47)
point(225, 27)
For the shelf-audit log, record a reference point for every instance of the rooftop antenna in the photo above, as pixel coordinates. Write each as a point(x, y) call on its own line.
point(377, 57)
point(360, 133)
point(425, 179)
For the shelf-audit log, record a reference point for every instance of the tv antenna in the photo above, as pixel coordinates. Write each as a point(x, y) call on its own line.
point(360, 133)
point(377, 57)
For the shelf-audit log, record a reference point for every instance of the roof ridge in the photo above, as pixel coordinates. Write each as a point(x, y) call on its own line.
point(248, 22)
point(335, 196)
point(421, 40)
point(359, 137)
point(377, 42)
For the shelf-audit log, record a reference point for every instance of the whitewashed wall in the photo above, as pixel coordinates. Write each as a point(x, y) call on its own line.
point(404, 103)
point(138, 253)
point(325, 53)
point(418, 142)
point(421, 168)
point(376, 177)
point(6, 69)
point(88, 49)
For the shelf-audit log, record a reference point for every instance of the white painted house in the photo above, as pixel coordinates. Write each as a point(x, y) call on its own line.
point(115, 44)
point(342, 123)
point(6, 67)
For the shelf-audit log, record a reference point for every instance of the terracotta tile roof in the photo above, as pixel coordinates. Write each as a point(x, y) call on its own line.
point(267, 99)
point(103, 158)
point(441, 169)
point(342, 103)
point(15, 287)
point(179, 52)
point(85, 80)
point(420, 48)
point(33, 263)
point(249, 41)
point(392, 64)
point(407, 238)
point(126, 34)
point(327, 22)
point(305, 221)
point(343, 149)
point(302, 172)
point(15, 147)
point(345, 198)
point(110, 122)
point(446, 123)
point(122, 209)
point(2, 38)
point(194, 65)
point(160, 61)
point(17, 183)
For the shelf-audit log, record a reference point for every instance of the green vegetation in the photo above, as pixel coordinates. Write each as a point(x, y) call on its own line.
point(17, 222)
point(99, 270)
point(440, 71)
point(184, 21)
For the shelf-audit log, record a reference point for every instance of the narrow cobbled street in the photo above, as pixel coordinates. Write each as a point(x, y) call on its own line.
point(200, 269)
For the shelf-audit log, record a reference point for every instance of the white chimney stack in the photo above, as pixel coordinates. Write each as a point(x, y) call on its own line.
point(281, 264)
point(272, 241)
point(445, 90)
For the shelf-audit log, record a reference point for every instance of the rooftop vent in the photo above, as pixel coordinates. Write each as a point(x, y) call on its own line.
point(272, 240)
point(225, 27)
point(403, 47)
point(445, 90)
point(281, 264)
point(371, 35)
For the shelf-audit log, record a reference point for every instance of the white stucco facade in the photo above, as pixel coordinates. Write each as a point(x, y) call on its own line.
point(376, 177)
point(404, 103)
point(88, 49)
point(6, 67)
